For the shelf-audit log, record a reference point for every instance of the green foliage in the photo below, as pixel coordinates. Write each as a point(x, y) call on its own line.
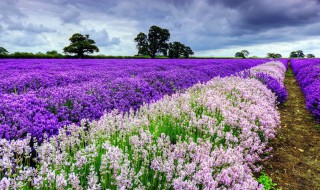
point(289, 73)
point(242, 54)
point(158, 38)
point(245, 53)
point(239, 55)
point(187, 51)
point(177, 49)
point(297, 54)
point(274, 55)
point(310, 55)
point(3, 51)
point(23, 55)
point(53, 52)
point(266, 182)
point(154, 43)
point(142, 43)
point(81, 44)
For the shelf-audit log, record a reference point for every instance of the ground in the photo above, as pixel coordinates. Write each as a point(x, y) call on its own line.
point(296, 156)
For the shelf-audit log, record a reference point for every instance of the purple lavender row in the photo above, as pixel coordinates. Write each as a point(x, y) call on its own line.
point(21, 76)
point(48, 109)
point(271, 75)
point(307, 73)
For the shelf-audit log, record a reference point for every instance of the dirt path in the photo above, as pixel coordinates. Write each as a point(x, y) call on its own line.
point(296, 161)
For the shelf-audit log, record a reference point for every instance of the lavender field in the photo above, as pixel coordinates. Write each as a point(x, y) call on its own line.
point(40, 96)
point(307, 72)
point(137, 124)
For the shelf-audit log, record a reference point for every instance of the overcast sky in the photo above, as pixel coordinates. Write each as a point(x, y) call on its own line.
point(209, 27)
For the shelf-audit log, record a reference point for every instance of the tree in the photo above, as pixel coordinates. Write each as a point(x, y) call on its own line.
point(142, 44)
point(158, 39)
point(187, 51)
point(310, 55)
point(177, 49)
point(81, 44)
point(293, 54)
point(3, 51)
point(239, 54)
point(53, 52)
point(153, 43)
point(271, 55)
point(278, 55)
point(297, 54)
point(274, 55)
point(245, 53)
point(300, 54)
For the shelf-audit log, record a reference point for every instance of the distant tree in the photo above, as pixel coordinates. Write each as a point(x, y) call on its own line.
point(81, 44)
point(142, 44)
point(3, 51)
point(277, 55)
point(187, 51)
point(153, 43)
point(177, 49)
point(271, 55)
point(245, 53)
point(293, 54)
point(52, 52)
point(158, 39)
point(22, 55)
point(274, 55)
point(297, 54)
point(239, 54)
point(300, 54)
point(310, 55)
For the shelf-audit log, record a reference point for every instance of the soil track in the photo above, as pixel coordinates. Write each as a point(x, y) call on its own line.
point(296, 156)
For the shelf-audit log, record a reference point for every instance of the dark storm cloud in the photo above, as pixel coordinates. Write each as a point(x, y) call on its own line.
point(262, 15)
point(250, 22)
point(200, 24)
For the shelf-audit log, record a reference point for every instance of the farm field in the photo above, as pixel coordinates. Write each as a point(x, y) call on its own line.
point(158, 124)
point(40, 96)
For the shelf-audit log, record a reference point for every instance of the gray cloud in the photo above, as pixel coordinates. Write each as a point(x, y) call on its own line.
point(201, 24)
point(102, 38)
point(29, 41)
point(262, 15)
point(31, 28)
point(10, 9)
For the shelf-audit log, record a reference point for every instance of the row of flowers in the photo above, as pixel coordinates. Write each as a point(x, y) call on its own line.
point(307, 73)
point(51, 102)
point(209, 137)
point(22, 76)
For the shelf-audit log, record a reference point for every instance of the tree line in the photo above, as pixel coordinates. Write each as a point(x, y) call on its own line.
point(157, 43)
point(154, 44)
point(293, 54)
